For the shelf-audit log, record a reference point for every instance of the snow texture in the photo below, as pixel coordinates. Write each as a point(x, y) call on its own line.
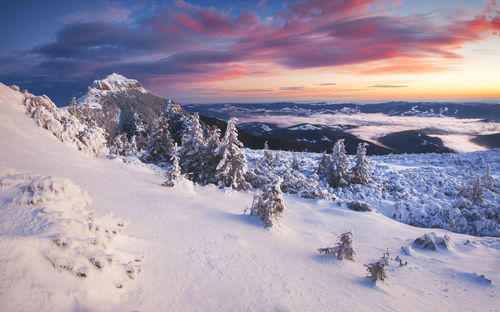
point(48, 219)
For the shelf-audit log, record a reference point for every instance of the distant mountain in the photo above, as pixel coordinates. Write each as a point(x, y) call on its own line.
point(299, 138)
point(489, 140)
point(121, 105)
point(489, 112)
point(414, 142)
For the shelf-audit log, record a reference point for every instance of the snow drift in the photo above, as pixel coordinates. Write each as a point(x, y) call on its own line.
point(53, 231)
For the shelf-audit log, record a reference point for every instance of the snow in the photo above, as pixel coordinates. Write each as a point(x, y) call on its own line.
point(201, 253)
point(111, 84)
point(305, 127)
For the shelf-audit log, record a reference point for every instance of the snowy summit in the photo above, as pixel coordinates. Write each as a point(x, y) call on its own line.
point(111, 84)
point(116, 82)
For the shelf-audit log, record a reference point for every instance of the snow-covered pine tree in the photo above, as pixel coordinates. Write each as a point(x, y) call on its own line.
point(476, 193)
point(277, 158)
point(120, 145)
point(232, 166)
point(269, 206)
point(463, 191)
point(361, 171)
point(212, 157)
point(323, 166)
point(343, 249)
point(192, 151)
point(133, 146)
point(338, 167)
point(378, 270)
point(487, 179)
point(295, 163)
point(174, 173)
point(160, 146)
point(268, 157)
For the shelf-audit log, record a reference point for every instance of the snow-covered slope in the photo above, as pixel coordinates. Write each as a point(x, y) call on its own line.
point(202, 254)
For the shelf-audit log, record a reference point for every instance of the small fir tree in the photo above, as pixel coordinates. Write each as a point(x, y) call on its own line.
point(160, 146)
point(174, 173)
point(277, 158)
point(133, 146)
point(269, 206)
point(476, 191)
point(192, 152)
point(119, 145)
point(295, 163)
point(323, 166)
point(268, 156)
point(361, 171)
point(232, 166)
point(212, 157)
point(338, 169)
point(487, 179)
point(377, 271)
point(343, 249)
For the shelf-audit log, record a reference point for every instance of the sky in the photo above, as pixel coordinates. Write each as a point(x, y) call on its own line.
point(257, 51)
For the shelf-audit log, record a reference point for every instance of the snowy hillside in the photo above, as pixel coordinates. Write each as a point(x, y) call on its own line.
point(99, 234)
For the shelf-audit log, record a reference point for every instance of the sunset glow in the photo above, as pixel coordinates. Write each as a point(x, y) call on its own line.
point(259, 51)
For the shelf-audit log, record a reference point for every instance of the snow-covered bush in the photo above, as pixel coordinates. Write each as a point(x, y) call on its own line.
point(70, 130)
point(232, 167)
point(305, 183)
point(377, 271)
point(294, 182)
point(343, 249)
point(14, 87)
point(259, 176)
point(420, 190)
point(66, 127)
point(269, 205)
point(32, 102)
point(93, 141)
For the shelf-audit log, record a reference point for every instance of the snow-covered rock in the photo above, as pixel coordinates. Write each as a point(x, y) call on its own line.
point(111, 84)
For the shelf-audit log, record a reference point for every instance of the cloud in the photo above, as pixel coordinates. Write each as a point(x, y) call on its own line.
point(247, 90)
point(111, 13)
point(186, 43)
point(387, 86)
point(454, 132)
point(327, 84)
